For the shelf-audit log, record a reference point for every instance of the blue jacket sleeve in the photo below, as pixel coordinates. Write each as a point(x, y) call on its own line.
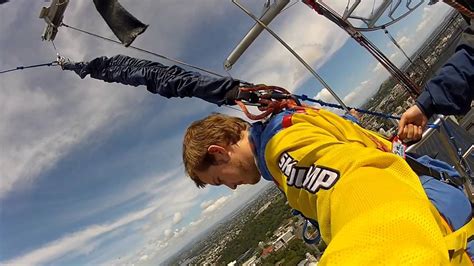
point(168, 81)
point(451, 90)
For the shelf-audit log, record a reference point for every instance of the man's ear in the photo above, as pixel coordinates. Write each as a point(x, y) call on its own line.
point(220, 153)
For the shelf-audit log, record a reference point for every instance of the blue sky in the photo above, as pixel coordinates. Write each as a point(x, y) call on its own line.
point(91, 173)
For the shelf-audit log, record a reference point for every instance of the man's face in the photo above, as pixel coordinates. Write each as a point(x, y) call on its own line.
point(235, 165)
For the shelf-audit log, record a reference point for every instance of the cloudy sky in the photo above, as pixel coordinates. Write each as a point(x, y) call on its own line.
point(91, 173)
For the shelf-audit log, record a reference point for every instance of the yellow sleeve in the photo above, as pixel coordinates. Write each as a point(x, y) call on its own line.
point(374, 211)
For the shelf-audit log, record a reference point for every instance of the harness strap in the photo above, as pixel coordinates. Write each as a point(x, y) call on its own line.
point(269, 99)
point(421, 169)
point(458, 239)
point(377, 142)
point(315, 239)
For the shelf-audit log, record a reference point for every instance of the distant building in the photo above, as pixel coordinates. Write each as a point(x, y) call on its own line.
point(382, 131)
point(309, 261)
point(264, 207)
point(284, 239)
point(311, 257)
point(468, 122)
point(277, 245)
point(267, 251)
point(250, 262)
point(287, 236)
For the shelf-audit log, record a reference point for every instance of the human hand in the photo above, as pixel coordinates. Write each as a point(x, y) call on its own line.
point(412, 124)
point(237, 94)
point(354, 113)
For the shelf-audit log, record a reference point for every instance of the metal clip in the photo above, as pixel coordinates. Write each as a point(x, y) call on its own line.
point(60, 60)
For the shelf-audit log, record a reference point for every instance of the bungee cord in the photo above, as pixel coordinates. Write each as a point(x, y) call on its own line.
point(54, 63)
point(144, 51)
point(337, 106)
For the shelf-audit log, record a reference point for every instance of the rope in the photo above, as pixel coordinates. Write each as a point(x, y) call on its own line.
point(460, 8)
point(333, 105)
point(273, 99)
point(144, 51)
point(32, 66)
point(269, 102)
point(397, 45)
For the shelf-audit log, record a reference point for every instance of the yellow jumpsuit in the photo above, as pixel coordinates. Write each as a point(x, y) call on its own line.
point(370, 205)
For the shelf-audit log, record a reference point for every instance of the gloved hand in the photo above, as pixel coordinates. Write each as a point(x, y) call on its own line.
point(236, 94)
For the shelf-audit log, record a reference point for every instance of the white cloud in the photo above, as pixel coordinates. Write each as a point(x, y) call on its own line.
point(62, 114)
point(30, 148)
point(392, 56)
point(143, 258)
point(149, 186)
point(431, 15)
point(179, 232)
point(355, 97)
point(158, 217)
point(324, 95)
point(177, 218)
point(404, 42)
point(71, 242)
point(350, 97)
point(167, 241)
point(167, 233)
point(216, 205)
point(170, 208)
point(377, 67)
point(206, 204)
point(196, 223)
point(364, 90)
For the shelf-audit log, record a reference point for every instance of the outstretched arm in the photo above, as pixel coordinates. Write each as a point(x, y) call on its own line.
point(168, 81)
point(451, 91)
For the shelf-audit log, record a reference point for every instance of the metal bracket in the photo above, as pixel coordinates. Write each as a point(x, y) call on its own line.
point(268, 14)
point(53, 16)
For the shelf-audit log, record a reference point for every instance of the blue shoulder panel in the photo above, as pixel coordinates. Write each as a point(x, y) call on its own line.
point(261, 133)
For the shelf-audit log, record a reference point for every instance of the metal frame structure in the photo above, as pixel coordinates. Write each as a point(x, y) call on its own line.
point(387, 6)
point(258, 27)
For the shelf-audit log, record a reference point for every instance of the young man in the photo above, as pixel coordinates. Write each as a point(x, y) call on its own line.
point(370, 205)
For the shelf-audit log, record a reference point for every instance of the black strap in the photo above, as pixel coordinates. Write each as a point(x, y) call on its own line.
point(421, 169)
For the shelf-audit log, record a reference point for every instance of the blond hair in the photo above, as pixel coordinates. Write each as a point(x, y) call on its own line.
point(216, 129)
